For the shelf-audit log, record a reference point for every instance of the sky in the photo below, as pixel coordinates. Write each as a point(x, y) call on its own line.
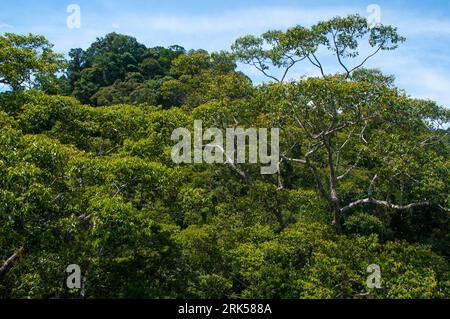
point(421, 65)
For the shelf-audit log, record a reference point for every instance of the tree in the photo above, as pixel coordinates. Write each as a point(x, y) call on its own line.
point(199, 77)
point(27, 61)
point(341, 36)
point(334, 128)
point(76, 64)
point(118, 69)
point(332, 113)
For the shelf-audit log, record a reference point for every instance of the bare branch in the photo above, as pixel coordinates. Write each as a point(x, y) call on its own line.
point(261, 69)
point(370, 192)
point(280, 179)
point(351, 168)
point(382, 203)
point(332, 130)
point(347, 172)
point(339, 150)
point(361, 135)
point(294, 160)
point(313, 169)
point(316, 64)
point(367, 58)
point(10, 261)
point(230, 161)
point(293, 62)
point(303, 126)
point(338, 54)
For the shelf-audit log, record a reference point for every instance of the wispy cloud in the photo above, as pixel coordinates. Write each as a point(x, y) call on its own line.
point(5, 26)
point(432, 84)
point(248, 19)
point(420, 25)
point(430, 27)
point(419, 77)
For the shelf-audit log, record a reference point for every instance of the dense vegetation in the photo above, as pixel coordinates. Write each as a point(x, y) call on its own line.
point(86, 175)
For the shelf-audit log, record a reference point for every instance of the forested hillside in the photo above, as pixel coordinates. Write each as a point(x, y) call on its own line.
point(86, 175)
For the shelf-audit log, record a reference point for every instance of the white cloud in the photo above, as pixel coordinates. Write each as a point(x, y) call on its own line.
point(248, 19)
point(416, 24)
point(413, 23)
point(418, 77)
point(5, 26)
point(428, 83)
point(429, 26)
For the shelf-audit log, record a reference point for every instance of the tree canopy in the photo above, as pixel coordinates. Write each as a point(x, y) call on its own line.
point(28, 61)
point(86, 175)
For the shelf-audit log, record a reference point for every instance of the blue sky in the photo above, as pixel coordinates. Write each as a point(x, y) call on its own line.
point(421, 65)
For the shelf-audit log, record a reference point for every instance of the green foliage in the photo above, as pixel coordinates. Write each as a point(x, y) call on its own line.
point(95, 185)
point(342, 36)
point(306, 262)
point(28, 61)
point(364, 224)
point(117, 69)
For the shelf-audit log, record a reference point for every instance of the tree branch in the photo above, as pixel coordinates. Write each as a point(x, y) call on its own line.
point(382, 203)
point(293, 62)
point(10, 261)
point(366, 59)
point(338, 54)
point(261, 69)
point(230, 161)
point(313, 169)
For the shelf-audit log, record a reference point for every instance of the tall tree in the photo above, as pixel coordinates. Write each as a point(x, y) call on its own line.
point(27, 61)
point(324, 116)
